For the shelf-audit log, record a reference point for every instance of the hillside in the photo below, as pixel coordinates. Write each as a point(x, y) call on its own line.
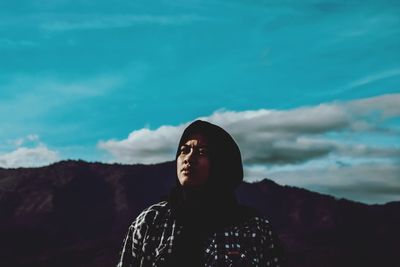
point(75, 213)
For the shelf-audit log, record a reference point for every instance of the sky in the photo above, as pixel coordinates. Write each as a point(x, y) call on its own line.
point(310, 90)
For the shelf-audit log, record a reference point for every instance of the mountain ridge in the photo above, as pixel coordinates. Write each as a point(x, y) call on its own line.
point(76, 213)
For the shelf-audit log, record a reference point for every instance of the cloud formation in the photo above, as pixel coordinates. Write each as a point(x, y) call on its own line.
point(47, 94)
point(375, 77)
point(328, 148)
point(101, 22)
point(10, 43)
point(30, 152)
point(272, 136)
point(145, 146)
point(369, 183)
point(29, 138)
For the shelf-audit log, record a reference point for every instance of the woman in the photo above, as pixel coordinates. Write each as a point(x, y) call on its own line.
point(201, 224)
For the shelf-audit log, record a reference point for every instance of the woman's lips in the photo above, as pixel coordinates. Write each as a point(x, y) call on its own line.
point(188, 170)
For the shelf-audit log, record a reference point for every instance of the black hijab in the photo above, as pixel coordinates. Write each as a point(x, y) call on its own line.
point(212, 206)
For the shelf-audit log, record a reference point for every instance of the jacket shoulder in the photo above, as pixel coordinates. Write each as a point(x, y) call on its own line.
point(151, 213)
point(255, 221)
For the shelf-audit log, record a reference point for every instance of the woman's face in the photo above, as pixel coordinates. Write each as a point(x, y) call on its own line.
point(193, 162)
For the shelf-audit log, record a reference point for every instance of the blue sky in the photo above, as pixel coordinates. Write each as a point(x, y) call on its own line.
point(310, 89)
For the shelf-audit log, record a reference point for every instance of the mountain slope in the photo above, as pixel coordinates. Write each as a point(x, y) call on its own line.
point(75, 213)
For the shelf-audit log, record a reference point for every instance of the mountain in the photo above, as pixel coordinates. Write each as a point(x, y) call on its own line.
point(75, 213)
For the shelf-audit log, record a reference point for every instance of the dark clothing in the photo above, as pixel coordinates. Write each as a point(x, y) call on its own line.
point(201, 213)
point(154, 237)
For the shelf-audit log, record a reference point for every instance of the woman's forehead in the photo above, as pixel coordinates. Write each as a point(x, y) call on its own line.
point(196, 139)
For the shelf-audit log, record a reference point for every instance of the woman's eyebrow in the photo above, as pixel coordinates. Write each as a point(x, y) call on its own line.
point(198, 146)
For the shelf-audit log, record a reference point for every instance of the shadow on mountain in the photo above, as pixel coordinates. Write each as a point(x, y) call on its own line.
point(74, 213)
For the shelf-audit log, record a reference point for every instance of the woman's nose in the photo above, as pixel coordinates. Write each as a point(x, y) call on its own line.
point(191, 156)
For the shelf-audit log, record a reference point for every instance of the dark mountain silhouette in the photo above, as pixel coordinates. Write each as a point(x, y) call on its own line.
point(75, 213)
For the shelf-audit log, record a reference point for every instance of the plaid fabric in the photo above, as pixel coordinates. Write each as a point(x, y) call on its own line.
point(151, 238)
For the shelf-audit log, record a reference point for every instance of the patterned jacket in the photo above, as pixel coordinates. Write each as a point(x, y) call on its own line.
point(151, 238)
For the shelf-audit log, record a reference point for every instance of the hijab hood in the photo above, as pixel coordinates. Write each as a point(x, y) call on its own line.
point(211, 206)
point(226, 170)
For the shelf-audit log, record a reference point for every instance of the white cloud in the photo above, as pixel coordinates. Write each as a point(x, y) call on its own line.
point(31, 138)
point(145, 146)
point(380, 107)
point(99, 22)
point(312, 147)
point(362, 180)
point(28, 157)
point(42, 93)
point(272, 136)
point(10, 43)
point(368, 183)
point(367, 151)
point(374, 77)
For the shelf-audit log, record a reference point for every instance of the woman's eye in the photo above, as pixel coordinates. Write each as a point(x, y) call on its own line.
point(185, 150)
point(203, 151)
